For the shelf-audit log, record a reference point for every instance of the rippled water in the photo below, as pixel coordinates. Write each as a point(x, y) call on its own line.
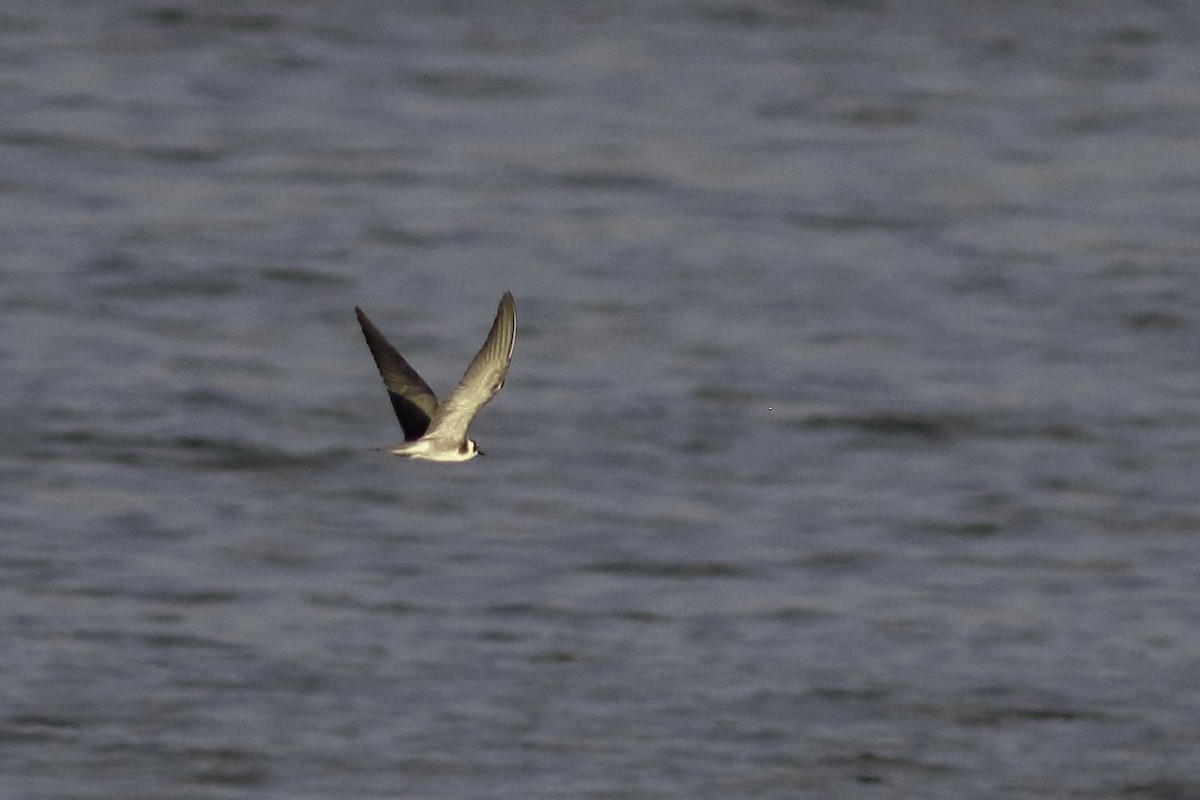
point(849, 448)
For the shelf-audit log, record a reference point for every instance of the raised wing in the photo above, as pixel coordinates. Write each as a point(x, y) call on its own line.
point(483, 377)
point(413, 400)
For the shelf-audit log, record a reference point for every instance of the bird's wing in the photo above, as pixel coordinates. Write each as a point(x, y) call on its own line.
point(483, 377)
point(414, 402)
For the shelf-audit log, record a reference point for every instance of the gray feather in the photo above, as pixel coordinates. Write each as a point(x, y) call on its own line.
point(483, 378)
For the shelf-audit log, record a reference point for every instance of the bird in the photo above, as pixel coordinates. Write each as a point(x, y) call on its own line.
point(436, 431)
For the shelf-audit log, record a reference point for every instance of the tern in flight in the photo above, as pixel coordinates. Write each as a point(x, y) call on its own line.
point(438, 431)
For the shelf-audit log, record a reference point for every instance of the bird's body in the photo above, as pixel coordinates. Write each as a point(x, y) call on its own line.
point(436, 431)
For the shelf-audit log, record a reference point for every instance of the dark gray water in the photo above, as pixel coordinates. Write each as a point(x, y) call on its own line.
point(850, 447)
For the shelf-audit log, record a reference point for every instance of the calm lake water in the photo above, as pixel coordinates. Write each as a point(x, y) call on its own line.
point(850, 447)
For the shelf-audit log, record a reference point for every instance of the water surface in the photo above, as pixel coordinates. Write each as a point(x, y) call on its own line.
point(849, 448)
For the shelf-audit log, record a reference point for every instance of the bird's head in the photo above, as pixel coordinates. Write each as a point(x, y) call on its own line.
point(469, 449)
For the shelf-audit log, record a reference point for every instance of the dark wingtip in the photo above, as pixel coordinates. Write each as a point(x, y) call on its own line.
point(507, 301)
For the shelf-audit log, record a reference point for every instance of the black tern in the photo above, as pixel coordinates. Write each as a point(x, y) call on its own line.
point(438, 431)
